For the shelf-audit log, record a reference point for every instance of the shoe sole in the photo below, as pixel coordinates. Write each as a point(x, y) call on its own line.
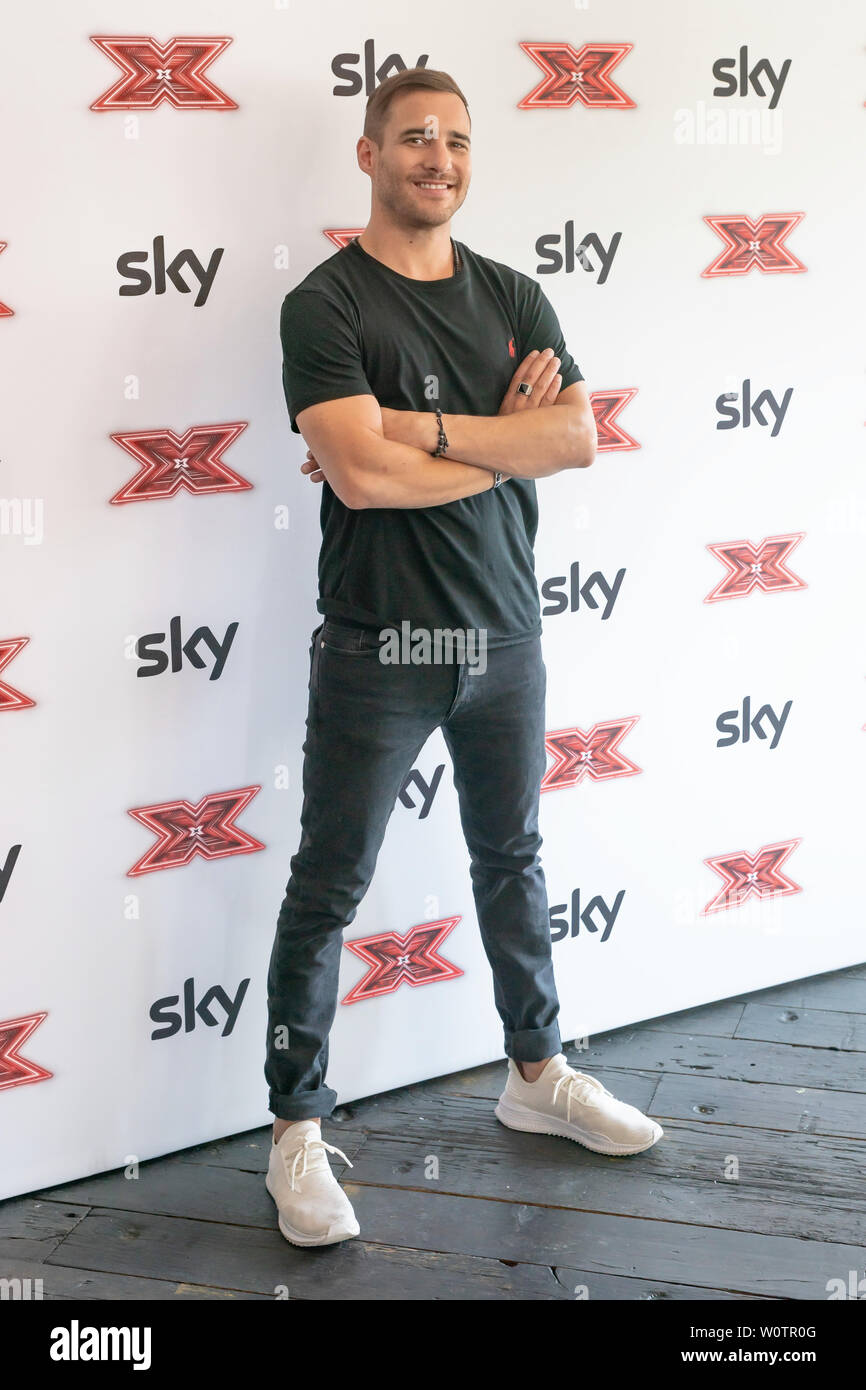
point(332, 1236)
point(532, 1122)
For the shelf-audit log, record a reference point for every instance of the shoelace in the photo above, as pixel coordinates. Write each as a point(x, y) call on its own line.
point(309, 1141)
point(579, 1087)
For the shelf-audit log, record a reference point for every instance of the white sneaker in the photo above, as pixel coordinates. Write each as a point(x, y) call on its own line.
point(313, 1208)
point(576, 1106)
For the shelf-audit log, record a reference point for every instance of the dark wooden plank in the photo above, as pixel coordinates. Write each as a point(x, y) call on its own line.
point(513, 1215)
point(838, 990)
point(243, 1153)
point(619, 1288)
point(247, 1152)
point(206, 1192)
point(31, 1229)
point(487, 1082)
point(800, 1027)
point(60, 1284)
point(258, 1261)
point(800, 1187)
point(715, 1258)
point(800, 1109)
point(250, 1151)
point(716, 1020)
point(793, 1184)
point(240, 1258)
point(732, 1059)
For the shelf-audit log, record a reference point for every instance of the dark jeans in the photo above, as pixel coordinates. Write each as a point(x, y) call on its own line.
point(366, 724)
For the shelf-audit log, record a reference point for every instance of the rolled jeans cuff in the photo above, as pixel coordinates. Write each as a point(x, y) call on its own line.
point(534, 1044)
point(307, 1105)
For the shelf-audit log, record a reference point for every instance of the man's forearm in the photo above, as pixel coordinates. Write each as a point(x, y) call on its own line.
point(525, 444)
point(399, 475)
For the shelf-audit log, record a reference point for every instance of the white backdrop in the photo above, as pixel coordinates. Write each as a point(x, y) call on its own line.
point(86, 948)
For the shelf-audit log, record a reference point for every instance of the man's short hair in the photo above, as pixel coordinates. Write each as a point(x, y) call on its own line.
point(379, 101)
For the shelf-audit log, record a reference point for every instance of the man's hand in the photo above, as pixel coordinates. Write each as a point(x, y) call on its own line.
point(365, 471)
point(414, 427)
point(540, 370)
point(310, 467)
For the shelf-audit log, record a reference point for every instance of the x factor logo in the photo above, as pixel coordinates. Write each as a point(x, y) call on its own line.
point(755, 244)
point(759, 566)
point(10, 698)
point(606, 405)
point(16, 1070)
point(184, 830)
point(341, 236)
point(594, 754)
point(171, 463)
point(5, 311)
point(751, 876)
point(395, 960)
point(576, 74)
point(155, 72)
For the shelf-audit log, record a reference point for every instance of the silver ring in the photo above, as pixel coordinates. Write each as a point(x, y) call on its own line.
point(525, 389)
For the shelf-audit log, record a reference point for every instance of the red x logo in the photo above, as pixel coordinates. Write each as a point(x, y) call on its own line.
point(576, 74)
point(757, 244)
point(184, 830)
point(592, 754)
point(341, 236)
point(606, 405)
point(171, 463)
point(15, 1070)
point(751, 875)
point(759, 566)
point(395, 960)
point(154, 72)
point(5, 311)
point(10, 698)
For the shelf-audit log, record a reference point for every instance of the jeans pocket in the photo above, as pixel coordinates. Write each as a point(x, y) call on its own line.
point(314, 642)
point(348, 641)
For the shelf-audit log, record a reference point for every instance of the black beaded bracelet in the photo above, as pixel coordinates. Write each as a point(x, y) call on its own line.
point(443, 441)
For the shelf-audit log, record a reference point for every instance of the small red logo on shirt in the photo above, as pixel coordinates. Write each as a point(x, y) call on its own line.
point(510, 347)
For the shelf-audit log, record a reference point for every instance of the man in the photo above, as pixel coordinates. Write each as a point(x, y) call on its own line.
point(399, 357)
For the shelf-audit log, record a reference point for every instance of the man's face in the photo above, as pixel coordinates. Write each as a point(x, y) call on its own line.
point(426, 141)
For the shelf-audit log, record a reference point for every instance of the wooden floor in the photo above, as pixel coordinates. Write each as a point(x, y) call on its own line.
point(772, 1084)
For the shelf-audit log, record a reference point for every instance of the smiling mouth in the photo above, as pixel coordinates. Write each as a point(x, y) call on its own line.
point(432, 185)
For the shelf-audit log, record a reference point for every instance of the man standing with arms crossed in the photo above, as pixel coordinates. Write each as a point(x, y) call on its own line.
point(399, 356)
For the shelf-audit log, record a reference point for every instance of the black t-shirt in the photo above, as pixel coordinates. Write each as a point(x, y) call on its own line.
point(354, 327)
